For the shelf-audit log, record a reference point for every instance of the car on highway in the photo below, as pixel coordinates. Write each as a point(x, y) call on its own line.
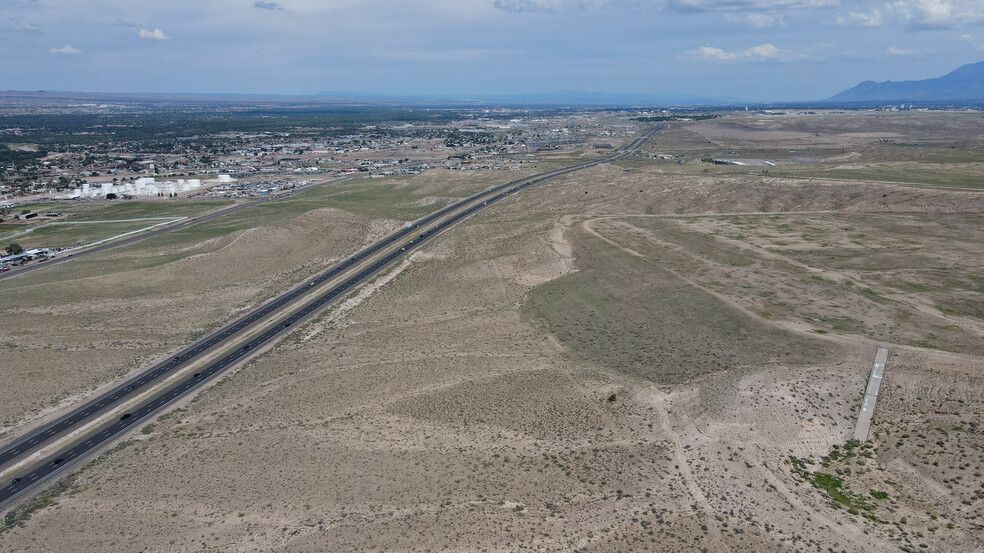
point(230, 357)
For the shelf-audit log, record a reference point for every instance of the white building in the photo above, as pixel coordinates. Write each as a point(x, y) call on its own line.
point(144, 186)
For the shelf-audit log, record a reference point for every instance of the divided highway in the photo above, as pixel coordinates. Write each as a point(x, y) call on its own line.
point(213, 343)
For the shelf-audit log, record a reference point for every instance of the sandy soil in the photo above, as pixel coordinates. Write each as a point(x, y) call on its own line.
point(592, 367)
point(75, 327)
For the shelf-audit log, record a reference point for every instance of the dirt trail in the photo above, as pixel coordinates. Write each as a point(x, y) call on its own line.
point(560, 244)
point(850, 533)
point(658, 401)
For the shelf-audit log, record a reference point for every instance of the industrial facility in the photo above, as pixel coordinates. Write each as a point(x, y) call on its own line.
point(144, 186)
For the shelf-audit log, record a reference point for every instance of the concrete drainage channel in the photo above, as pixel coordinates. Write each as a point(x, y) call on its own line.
point(871, 395)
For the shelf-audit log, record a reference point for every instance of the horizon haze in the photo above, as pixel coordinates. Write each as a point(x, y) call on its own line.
point(745, 50)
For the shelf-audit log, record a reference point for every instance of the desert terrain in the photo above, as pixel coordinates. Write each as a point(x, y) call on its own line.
point(658, 354)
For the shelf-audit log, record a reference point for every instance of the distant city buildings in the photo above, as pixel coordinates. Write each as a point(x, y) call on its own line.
point(144, 186)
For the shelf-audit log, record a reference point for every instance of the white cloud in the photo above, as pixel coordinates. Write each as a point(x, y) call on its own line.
point(549, 6)
point(440, 56)
point(542, 5)
point(676, 6)
point(744, 5)
point(972, 40)
point(156, 34)
point(760, 53)
point(896, 51)
point(873, 18)
point(65, 50)
point(22, 27)
point(762, 20)
point(917, 15)
point(939, 14)
point(267, 5)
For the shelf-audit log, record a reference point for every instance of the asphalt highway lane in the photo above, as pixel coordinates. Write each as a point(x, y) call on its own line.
point(108, 400)
point(72, 453)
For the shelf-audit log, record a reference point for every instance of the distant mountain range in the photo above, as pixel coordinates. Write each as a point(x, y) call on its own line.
point(965, 86)
point(962, 85)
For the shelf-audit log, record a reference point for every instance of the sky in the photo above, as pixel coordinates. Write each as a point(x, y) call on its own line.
point(753, 50)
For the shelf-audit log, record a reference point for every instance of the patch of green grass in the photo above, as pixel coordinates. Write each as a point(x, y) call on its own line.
point(843, 323)
point(872, 295)
point(67, 235)
point(64, 235)
point(963, 306)
point(833, 487)
point(879, 495)
point(608, 318)
point(913, 286)
point(852, 449)
point(147, 208)
point(129, 209)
